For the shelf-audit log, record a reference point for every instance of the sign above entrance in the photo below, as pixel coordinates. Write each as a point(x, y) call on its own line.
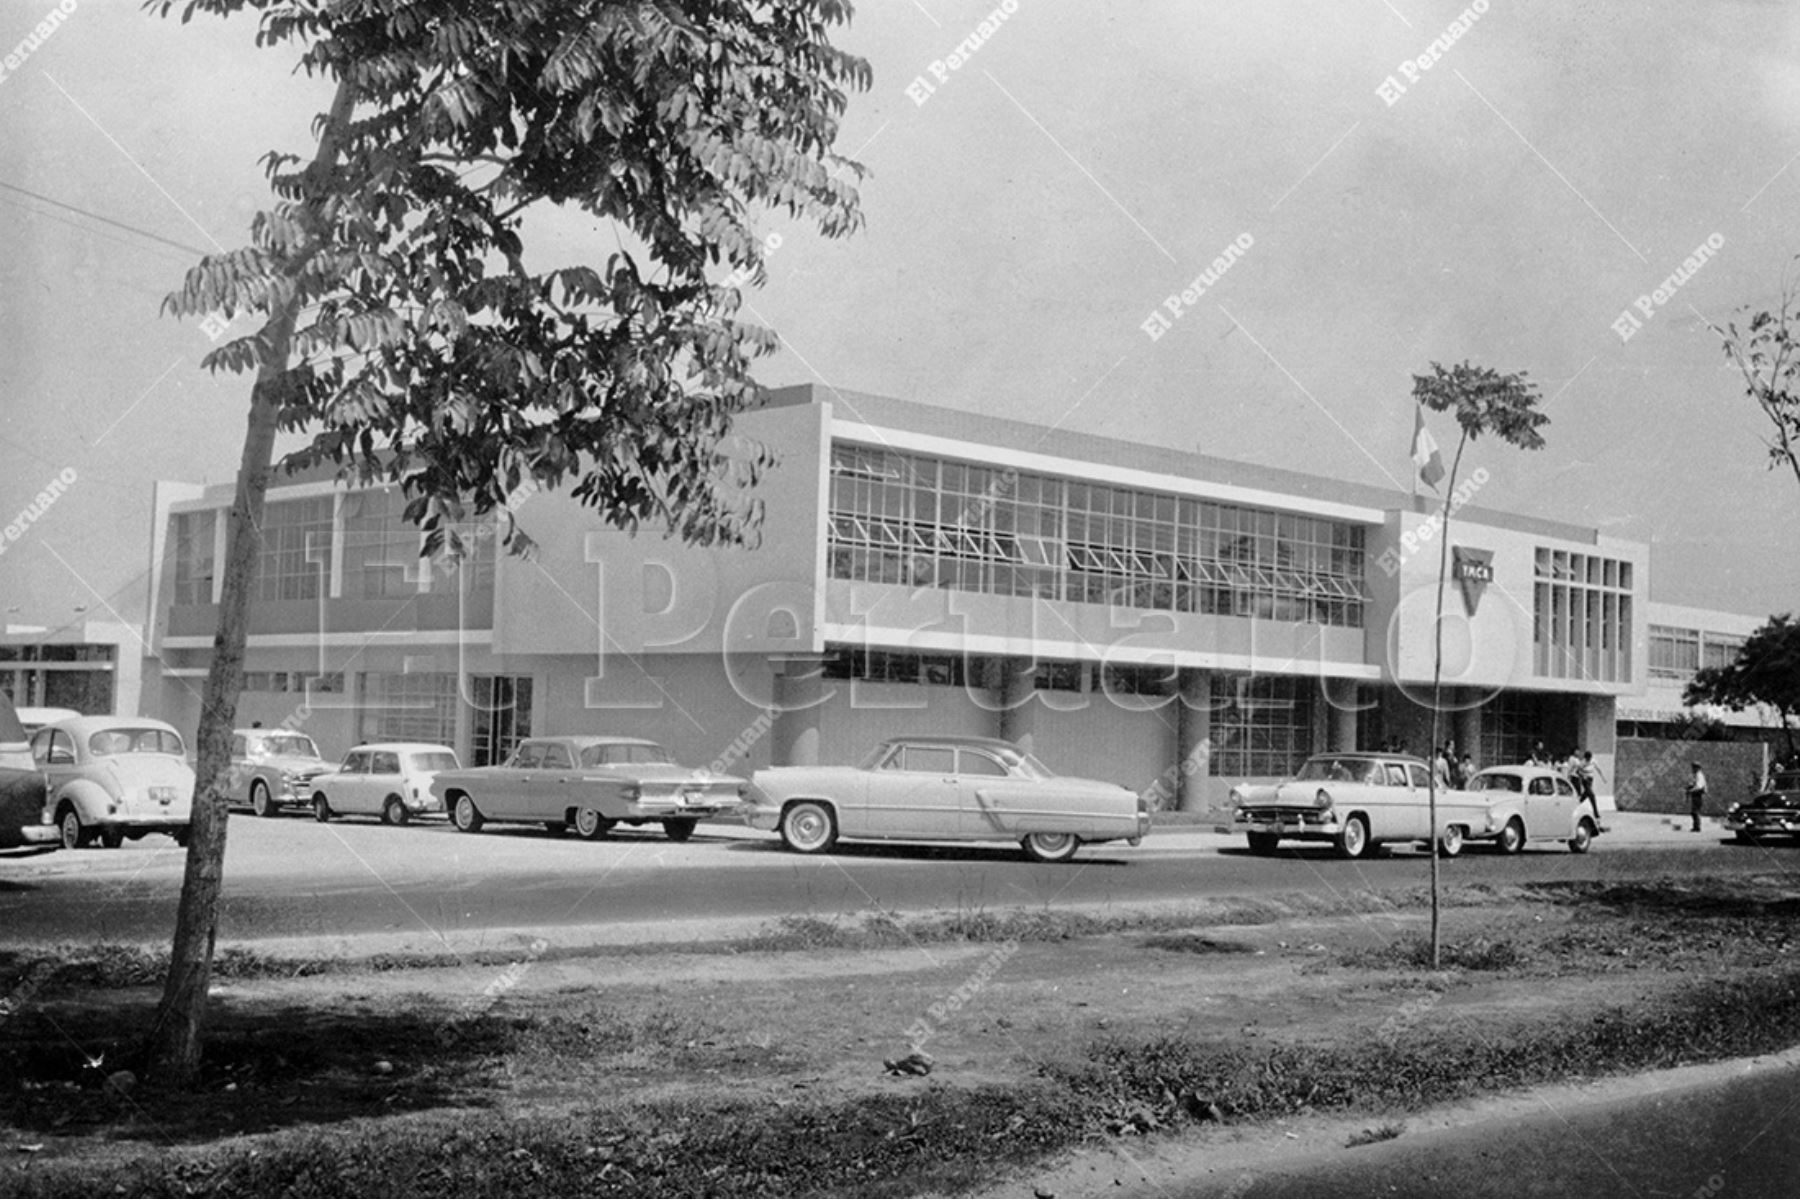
point(1474, 570)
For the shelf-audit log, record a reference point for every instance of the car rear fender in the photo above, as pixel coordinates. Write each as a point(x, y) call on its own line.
point(89, 799)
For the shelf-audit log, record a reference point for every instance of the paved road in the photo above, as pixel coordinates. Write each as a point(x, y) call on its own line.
point(1736, 1137)
point(414, 887)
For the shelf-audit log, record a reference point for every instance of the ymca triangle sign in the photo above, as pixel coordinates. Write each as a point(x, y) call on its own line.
point(1473, 569)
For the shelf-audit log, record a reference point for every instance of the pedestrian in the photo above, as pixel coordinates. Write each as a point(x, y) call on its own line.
point(1453, 765)
point(1468, 768)
point(1696, 792)
point(1539, 756)
point(1585, 774)
point(1440, 766)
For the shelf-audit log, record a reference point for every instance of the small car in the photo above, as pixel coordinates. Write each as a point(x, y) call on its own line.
point(272, 769)
point(945, 789)
point(388, 779)
point(25, 821)
point(1772, 812)
point(1509, 805)
point(590, 783)
point(113, 777)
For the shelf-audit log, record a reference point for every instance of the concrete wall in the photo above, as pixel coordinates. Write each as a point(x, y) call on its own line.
point(858, 714)
point(1652, 776)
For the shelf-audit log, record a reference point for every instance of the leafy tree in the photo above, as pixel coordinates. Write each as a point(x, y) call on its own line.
point(403, 325)
point(1483, 401)
point(1765, 353)
point(1766, 671)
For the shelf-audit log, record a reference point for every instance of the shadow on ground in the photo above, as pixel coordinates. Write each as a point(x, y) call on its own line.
point(266, 1067)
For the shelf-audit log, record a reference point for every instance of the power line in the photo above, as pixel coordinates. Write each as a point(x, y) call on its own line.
point(94, 216)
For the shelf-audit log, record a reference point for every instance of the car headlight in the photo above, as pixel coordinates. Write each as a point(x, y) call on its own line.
point(1731, 809)
point(1322, 800)
point(1238, 798)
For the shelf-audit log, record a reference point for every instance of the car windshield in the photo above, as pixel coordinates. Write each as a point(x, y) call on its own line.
point(623, 755)
point(1340, 770)
point(433, 761)
point(108, 742)
point(291, 745)
point(1496, 782)
point(1785, 782)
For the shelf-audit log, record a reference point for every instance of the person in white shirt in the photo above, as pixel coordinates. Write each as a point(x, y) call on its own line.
point(1696, 792)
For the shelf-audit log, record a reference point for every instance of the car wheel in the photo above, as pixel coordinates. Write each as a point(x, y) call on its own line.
point(112, 838)
point(1353, 842)
point(1583, 839)
point(259, 799)
point(556, 828)
point(467, 816)
point(321, 808)
point(679, 830)
point(74, 833)
point(394, 811)
point(1051, 847)
point(808, 827)
point(1512, 837)
point(1745, 837)
point(1451, 843)
point(1263, 843)
point(590, 825)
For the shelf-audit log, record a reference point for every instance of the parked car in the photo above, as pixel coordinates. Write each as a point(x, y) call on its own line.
point(25, 819)
point(272, 769)
point(36, 718)
point(1772, 812)
point(591, 783)
point(1359, 801)
point(113, 777)
point(1509, 805)
point(389, 779)
point(1353, 801)
point(945, 789)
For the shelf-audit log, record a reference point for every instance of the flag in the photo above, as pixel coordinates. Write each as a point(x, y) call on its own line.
point(1425, 451)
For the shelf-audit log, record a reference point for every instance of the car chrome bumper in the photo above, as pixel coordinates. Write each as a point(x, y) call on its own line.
point(1297, 828)
point(1738, 824)
point(39, 834)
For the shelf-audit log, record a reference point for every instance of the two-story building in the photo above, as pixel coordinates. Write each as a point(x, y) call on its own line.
point(1174, 622)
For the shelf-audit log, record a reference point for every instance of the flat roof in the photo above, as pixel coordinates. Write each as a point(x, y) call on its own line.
point(954, 424)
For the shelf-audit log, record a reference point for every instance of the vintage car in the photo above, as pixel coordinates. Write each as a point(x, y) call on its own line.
point(272, 769)
point(1359, 801)
point(1772, 812)
point(1510, 805)
point(944, 789)
point(592, 783)
point(25, 821)
point(389, 779)
point(113, 777)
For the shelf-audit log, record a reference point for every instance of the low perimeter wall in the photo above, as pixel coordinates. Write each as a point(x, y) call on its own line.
point(1653, 775)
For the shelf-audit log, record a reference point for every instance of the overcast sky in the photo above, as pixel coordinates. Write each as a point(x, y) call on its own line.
point(1554, 164)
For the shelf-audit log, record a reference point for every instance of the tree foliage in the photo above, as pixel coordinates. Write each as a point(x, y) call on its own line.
point(407, 329)
point(1485, 401)
point(431, 347)
point(1764, 351)
point(1766, 672)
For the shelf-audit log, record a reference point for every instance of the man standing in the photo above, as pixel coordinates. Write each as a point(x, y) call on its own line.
point(1696, 790)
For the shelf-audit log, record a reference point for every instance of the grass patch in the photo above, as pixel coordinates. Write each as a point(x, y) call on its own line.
point(1414, 953)
point(1374, 1136)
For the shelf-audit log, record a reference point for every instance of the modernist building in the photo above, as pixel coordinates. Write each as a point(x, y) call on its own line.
point(1170, 621)
point(90, 666)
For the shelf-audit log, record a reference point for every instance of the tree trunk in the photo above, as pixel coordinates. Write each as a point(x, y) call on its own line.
point(1437, 690)
point(177, 1035)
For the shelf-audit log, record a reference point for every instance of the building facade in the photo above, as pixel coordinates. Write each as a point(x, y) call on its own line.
point(1169, 621)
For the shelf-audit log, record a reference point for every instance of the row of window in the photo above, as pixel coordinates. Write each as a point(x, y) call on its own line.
point(1260, 725)
point(381, 551)
point(1582, 613)
point(921, 521)
point(1679, 654)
